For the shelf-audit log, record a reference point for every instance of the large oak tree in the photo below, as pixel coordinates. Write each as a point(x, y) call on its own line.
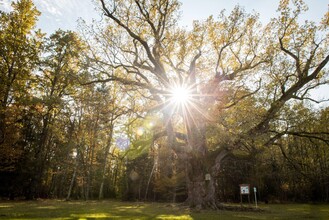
point(220, 62)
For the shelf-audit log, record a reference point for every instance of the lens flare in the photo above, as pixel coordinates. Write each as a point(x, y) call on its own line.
point(180, 95)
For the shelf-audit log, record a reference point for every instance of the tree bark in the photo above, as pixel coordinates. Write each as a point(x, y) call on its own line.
point(73, 178)
point(201, 190)
point(149, 181)
point(106, 153)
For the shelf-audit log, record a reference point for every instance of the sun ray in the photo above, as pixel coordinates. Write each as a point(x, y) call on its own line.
point(180, 95)
point(184, 100)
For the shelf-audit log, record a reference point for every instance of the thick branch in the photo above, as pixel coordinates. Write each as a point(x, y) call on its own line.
point(159, 70)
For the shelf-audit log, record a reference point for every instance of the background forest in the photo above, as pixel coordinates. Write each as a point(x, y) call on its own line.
point(92, 115)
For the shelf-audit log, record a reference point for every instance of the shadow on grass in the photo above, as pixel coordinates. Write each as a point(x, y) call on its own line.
point(52, 209)
point(56, 209)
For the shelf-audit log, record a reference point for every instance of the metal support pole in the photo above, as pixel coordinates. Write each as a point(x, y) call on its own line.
point(255, 193)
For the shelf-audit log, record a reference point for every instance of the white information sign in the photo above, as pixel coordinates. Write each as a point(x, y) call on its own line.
point(244, 189)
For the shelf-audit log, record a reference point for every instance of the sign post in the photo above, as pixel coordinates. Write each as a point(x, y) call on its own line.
point(245, 190)
point(255, 193)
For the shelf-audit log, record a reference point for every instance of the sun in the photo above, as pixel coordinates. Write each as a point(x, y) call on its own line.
point(184, 100)
point(180, 95)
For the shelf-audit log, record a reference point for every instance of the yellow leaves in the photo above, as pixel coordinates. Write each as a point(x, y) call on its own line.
point(284, 4)
point(325, 21)
point(285, 41)
point(182, 51)
point(26, 14)
point(251, 21)
point(299, 4)
point(153, 11)
point(198, 33)
point(215, 32)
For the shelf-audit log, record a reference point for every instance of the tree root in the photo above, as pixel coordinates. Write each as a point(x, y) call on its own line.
point(222, 206)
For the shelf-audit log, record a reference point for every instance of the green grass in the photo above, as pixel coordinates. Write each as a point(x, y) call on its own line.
point(54, 209)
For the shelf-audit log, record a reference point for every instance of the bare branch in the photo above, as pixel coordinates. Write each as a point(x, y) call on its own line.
point(158, 70)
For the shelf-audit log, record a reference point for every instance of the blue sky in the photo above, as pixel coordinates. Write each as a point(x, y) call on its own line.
point(201, 9)
point(64, 13)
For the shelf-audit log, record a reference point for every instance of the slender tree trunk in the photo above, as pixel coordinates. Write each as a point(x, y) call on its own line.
point(72, 182)
point(4, 101)
point(139, 189)
point(61, 187)
point(149, 180)
point(89, 176)
point(91, 163)
point(106, 153)
point(101, 194)
point(2, 126)
point(39, 164)
point(115, 176)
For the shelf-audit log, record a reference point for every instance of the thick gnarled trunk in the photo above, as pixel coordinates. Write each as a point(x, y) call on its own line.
point(196, 183)
point(202, 167)
point(201, 182)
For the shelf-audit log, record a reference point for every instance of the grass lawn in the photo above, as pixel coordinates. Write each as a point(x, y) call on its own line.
point(54, 209)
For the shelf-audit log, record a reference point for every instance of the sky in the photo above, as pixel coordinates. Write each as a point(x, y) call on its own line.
point(201, 9)
point(65, 13)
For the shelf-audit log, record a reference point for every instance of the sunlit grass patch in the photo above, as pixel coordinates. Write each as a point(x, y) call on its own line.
point(174, 217)
point(6, 206)
point(93, 215)
point(47, 207)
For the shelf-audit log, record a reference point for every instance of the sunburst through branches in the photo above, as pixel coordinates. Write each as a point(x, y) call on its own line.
point(180, 95)
point(184, 100)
